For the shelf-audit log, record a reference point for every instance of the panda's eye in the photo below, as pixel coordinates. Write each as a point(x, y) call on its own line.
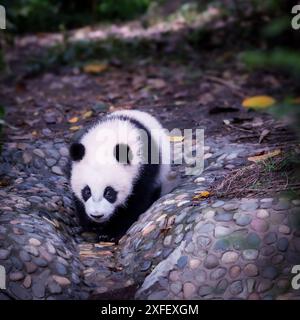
point(110, 194)
point(86, 193)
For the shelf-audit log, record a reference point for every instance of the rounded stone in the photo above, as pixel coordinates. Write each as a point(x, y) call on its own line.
point(54, 288)
point(218, 204)
point(182, 261)
point(34, 242)
point(270, 238)
point(282, 244)
point(284, 229)
point(194, 263)
point(262, 214)
point(253, 296)
point(27, 282)
point(270, 272)
point(174, 275)
point(251, 270)
point(236, 287)
point(222, 231)
point(230, 206)
point(264, 286)
point(221, 286)
point(189, 290)
point(218, 273)
point(62, 281)
point(205, 290)
point(145, 265)
point(203, 241)
point(267, 250)
point(211, 261)
point(253, 240)
point(57, 170)
point(243, 220)
point(234, 271)
point(277, 259)
point(250, 254)
point(4, 254)
point(230, 257)
point(176, 287)
point(260, 225)
point(16, 276)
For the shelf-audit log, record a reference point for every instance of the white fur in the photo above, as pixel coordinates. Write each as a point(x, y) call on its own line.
point(99, 168)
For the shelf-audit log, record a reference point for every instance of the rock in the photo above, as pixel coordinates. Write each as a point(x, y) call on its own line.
point(230, 206)
point(145, 265)
point(189, 290)
point(34, 242)
point(229, 257)
point(270, 272)
point(211, 261)
point(283, 204)
point(218, 204)
point(221, 231)
point(30, 267)
point(205, 290)
point(16, 276)
point(282, 244)
point(176, 287)
point(221, 286)
point(264, 286)
point(260, 225)
point(277, 259)
point(250, 254)
point(218, 273)
point(251, 270)
point(62, 281)
point(262, 214)
point(27, 282)
point(253, 240)
point(54, 288)
point(236, 288)
point(270, 238)
point(57, 170)
point(223, 217)
point(284, 229)
point(249, 205)
point(194, 263)
point(182, 261)
point(234, 271)
point(4, 254)
point(243, 220)
point(39, 153)
point(32, 250)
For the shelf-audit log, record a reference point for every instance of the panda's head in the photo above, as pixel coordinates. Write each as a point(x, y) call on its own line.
point(102, 187)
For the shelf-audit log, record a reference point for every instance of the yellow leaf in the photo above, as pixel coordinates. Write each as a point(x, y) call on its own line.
point(75, 128)
point(265, 156)
point(176, 138)
point(87, 114)
point(73, 120)
point(258, 102)
point(201, 195)
point(95, 68)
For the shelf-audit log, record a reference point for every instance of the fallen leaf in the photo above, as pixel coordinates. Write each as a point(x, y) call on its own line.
point(75, 128)
point(87, 114)
point(176, 138)
point(95, 68)
point(265, 156)
point(201, 195)
point(73, 120)
point(259, 102)
point(263, 135)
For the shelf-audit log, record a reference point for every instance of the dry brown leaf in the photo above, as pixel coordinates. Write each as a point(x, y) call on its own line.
point(95, 68)
point(259, 102)
point(201, 195)
point(264, 133)
point(265, 156)
point(87, 114)
point(73, 120)
point(75, 128)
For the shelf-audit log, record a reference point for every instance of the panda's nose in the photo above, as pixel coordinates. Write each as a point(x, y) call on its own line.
point(97, 216)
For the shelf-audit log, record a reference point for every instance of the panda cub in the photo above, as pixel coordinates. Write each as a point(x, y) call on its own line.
point(118, 168)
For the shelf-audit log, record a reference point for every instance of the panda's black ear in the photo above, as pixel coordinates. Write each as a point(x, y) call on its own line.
point(77, 151)
point(123, 153)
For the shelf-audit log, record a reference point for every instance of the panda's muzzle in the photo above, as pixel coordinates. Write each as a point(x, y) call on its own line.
point(97, 216)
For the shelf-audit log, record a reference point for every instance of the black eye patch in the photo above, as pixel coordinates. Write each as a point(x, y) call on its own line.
point(110, 194)
point(86, 193)
point(123, 153)
point(77, 151)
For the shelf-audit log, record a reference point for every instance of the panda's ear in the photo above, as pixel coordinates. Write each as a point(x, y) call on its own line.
point(77, 151)
point(123, 153)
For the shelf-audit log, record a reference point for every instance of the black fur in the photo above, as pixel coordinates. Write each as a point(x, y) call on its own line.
point(145, 192)
point(77, 151)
